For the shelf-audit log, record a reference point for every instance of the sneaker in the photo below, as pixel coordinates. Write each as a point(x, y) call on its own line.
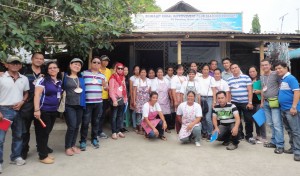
point(47, 161)
point(197, 144)
point(69, 152)
point(114, 136)
point(124, 130)
point(225, 143)
point(297, 157)
point(289, 151)
point(103, 136)
point(269, 145)
point(24, 155)
point(231, 146)
point(279, 150)
point(121, 135)
point(251, 141)
point(82, 146)
point(95, 143)
point(18, 161)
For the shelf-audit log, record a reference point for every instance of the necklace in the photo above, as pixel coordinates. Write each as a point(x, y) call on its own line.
point(78, 89)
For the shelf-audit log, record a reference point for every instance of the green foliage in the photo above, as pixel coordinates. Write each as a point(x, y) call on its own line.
point(255, 24)
point(40, 25)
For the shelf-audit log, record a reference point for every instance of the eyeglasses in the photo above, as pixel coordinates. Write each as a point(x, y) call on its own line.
point(52, 68)
point(120, 68)
point(96, 62)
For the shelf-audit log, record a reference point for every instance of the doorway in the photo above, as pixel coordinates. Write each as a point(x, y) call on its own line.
point(150, 58)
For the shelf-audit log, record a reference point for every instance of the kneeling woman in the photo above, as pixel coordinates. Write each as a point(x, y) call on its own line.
point(46, 100)
point(190, 114)
point(153, 127)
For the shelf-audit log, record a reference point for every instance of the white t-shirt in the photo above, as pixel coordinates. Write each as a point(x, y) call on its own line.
point(147, 108)
point(184, 107)
point(206, 85)
point(190, 84)
point(133, 78)
point(198, 75)
point(221, 85)
point(155, 83)
point(168, 77)
point(140, 83)
point(176, 82)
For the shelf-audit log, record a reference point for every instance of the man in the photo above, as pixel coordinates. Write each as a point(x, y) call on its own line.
point(270, 83)
point(226, 64)
point(13, 93)
point(169, 76)
point(94, 84)
point(34, 72)
point(213, 65)
point(229, 121)
point(107, 73)
point(241, 96)
point(288, 98)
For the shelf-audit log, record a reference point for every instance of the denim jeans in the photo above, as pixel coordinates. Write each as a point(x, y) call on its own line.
point(42, 134)
point(90, 114)
point(73, 119)
point(102, 117)
point(16, 127)
point(133, 117)
point(207, 125)
point(292, 126)
point(116, 120)
point(274, 120)
point(159, 128)
point(196, 132)
point(225, 134)
point(242, 108)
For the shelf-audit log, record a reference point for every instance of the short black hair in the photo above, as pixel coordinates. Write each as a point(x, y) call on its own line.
point(192, 71)
point(234, 64)
point(281, 63)
point(192, 92)
point(213, 61)
point(226, 58)
point(266, 60)
point(179, 66)
point(217, 69)
point(221, 92)
point(35, 53)
point(153, 93)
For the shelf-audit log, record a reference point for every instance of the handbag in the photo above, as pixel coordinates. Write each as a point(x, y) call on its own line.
point(273, 102)
point(62, 103)
point(119, 100)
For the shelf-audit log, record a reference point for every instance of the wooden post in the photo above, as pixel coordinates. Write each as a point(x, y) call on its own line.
point(261, 54)
point(179, 51)
point(90, 57)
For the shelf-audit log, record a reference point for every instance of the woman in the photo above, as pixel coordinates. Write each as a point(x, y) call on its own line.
point(151, 74)
point(118, 95)
point(221, 84)
point(153, 127)
point(162, 86)
point(141, 90)
point(136, 75)
point(256, 85)
point(46, 100)
point(190, 85)
point(74, 85)
point(176, 84)
point(124, 130)
point(190, 114)
point(208, 93)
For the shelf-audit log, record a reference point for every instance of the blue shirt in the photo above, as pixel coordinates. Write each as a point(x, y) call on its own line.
point(286, 92)
point(238, 88)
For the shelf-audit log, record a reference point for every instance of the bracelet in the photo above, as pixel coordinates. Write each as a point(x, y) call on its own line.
point(37, 110)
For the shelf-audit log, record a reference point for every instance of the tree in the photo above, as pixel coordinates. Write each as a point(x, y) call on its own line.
point(79, 25)
point(255, 24)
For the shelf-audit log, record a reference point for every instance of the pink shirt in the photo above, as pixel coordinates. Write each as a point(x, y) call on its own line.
point(115, 90)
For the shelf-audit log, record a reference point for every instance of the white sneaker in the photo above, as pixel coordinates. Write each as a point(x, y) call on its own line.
point(197, 144)
point(18, 161)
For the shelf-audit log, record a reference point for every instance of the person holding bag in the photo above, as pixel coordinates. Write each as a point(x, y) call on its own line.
point(118, 96)
point(46, 99)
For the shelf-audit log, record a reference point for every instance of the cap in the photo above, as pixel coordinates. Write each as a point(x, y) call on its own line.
point(104, 57)
point(11, 59)
point(76, 60)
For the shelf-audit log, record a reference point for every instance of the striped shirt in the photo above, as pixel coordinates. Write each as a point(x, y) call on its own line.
point(238, 88)
point(226, 113)
point(93, 86)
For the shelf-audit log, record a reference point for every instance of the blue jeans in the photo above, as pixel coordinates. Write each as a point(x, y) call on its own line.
point(91, 114)
point(133, 117)
point(116, 120)
point(292, 126)
point(159, 128)
point(207, 125)
point(195, 133)
point(274, 120)
point(16, 127)
point(73, 120)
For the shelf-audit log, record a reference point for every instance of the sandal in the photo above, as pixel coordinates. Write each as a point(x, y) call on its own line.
point(269, 145)
point(163, 138)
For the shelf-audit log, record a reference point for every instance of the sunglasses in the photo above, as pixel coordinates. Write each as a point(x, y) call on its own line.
point(15, 63)
point(120, 68)
point(96, 62)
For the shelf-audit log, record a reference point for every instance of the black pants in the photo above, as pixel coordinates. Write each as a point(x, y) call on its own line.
point(42, 134)
point(247, 118)
point(102, 117)
point(225, 134)
point(26, 114)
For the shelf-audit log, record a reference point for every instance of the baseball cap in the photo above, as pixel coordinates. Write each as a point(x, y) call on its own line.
point(11, 59)
point(104, 57)
point(76, 60)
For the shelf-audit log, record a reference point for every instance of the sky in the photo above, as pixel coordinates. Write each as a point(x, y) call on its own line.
point(269, 11)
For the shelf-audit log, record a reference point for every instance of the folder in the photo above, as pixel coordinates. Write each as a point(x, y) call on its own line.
point(5, 124)
point(260, 117)
point(214, 136)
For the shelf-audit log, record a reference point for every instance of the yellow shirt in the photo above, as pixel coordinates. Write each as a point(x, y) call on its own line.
point(107, 74)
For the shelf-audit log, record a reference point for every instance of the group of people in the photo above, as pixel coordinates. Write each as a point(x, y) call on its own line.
point(196, 105)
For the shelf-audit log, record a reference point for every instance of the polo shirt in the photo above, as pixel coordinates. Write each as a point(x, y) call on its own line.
point(238, 87)
point(11, 92)
point(107, 73)
point(286, 92)
point(51, 94)
point(226, 75)
point(93, 91)
point(226, 113)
